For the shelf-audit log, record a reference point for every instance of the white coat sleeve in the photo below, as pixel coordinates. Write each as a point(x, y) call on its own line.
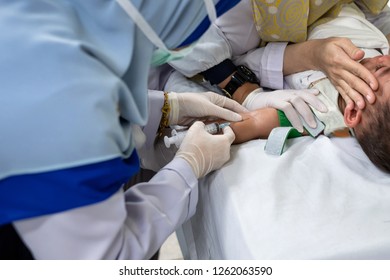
point(153, 154)
point(156, 102)
point(266, 63)
point(130, 225)
point(210, 50)
point(240, 32)
point(234, 36)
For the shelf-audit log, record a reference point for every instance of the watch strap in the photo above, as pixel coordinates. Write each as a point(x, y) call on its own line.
point(241, 76)
point(219, 72)
point(231, 87)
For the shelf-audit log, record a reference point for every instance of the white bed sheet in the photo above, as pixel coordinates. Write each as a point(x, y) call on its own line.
point(322, 199)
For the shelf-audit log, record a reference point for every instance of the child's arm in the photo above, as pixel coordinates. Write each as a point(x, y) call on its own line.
point(259, 124)
point(255, 124)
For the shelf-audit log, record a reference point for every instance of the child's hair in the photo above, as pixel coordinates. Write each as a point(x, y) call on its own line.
point(374, 133)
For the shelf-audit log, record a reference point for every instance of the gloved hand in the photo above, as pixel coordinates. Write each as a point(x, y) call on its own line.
point(187, 107)
point(291, 102)
point(203, 151)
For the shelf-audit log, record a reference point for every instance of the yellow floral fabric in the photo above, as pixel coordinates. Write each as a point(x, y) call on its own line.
point(290, 20)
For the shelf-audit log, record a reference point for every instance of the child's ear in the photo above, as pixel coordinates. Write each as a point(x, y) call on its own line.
point(352, 116)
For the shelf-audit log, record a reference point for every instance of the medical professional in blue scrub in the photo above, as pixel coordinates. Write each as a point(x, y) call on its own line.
point(73, 101)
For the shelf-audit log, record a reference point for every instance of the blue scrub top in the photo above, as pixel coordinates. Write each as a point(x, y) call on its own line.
point(73, 82)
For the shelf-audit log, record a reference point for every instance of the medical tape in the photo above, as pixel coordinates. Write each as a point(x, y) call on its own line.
point(276, 140)
point(279, 135)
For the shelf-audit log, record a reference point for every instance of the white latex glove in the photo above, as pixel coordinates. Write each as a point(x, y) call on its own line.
point(203, 151)
point(187, 107)
point(291, 102)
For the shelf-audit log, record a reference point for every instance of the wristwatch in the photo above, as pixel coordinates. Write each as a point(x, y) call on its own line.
point(242, 75)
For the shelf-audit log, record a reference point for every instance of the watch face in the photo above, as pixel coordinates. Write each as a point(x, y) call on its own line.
point(247, 74)
point(243, 74)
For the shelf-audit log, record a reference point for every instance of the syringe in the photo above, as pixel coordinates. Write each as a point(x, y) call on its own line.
point(178, 136)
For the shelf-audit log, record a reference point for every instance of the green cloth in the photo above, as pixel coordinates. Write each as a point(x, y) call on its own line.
point(284, 122)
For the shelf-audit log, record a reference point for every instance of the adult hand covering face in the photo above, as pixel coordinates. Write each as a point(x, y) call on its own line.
point(339, 59)
point(291, 102)
point(186, 107)
point(203, 151)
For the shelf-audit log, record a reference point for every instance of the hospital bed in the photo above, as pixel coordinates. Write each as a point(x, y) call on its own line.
point(321, 199)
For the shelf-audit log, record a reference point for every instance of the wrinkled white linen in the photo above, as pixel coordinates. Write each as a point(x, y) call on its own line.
point(322, 199)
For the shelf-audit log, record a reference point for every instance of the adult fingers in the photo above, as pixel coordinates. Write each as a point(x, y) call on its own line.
point(304, 110)
point(222, 113)
point(357, 76)
point(228, 132)
point(197, 126)
point(350, 49)
point(353, 92)
point(234, 106)
point(346, 67)
point(291, 115)
point(362, 81)
point(225, 102)
point(310, 97)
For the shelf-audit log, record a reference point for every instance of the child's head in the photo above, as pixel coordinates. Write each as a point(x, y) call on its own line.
point(372, 124)
point(373, 133)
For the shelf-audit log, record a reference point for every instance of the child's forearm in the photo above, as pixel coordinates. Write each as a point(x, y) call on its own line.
point(256, 124)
